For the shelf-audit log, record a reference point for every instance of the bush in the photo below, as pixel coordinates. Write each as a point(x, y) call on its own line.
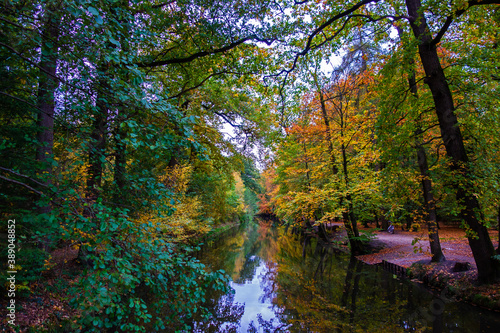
point(142, 284)
point(32, 262)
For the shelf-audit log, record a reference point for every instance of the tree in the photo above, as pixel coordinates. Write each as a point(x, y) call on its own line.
point(479, 239)
point(427, 192)
point(334, 23)
point(343, 96)
point(46, 93)
point(334, 120)
point(111, 120)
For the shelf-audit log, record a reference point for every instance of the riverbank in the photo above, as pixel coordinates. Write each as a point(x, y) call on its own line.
point(44, 304)
point(410, 250)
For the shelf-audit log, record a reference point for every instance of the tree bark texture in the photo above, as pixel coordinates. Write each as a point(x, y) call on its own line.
point(430, 207)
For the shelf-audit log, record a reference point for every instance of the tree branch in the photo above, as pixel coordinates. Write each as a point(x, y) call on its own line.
point(458, 13)
point(15, 24)
point(19, 99)
point(185, 90)
point(320, 30)
point(24, 176)
point(197, 55)
point(22, 184)
point(446, 25)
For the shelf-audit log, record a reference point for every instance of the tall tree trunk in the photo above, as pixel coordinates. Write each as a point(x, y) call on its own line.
point(348, 216)
point(46, 100)
point(479, 240)
point(428, 197)
point(326, 121)
point(46, 91)
point(430, 207)
point(328, 130)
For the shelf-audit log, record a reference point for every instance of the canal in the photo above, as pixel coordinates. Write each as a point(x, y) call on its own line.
point(277, 289)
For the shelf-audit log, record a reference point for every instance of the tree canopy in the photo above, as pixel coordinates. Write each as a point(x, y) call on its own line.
point(130, 130)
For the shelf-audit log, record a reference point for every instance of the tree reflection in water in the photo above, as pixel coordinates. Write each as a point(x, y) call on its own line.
point(225, 318)
point(282, 287)
point(248, 257)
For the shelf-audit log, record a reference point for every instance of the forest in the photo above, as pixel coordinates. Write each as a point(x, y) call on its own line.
point(133, 131)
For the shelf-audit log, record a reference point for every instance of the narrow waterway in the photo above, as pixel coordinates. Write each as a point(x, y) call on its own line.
point(277, 289)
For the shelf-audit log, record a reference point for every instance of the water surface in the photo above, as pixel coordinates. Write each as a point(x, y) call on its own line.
point(277, 289)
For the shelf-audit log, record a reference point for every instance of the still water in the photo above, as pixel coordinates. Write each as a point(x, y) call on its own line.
point(277, 289)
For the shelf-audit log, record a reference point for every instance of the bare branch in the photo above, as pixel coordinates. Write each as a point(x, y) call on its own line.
point(226, 118)
point(185, 90)
point(22, 184)
point(19, 99)
point(24, 176)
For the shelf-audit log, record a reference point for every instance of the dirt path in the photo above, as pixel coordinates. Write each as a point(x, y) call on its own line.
point(405, 248)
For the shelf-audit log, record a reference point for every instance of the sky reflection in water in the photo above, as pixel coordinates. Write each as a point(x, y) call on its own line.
point(324, 292)
point(251, 293)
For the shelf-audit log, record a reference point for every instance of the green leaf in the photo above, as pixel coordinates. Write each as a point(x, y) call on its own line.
point(93, 11)
point(114, 41)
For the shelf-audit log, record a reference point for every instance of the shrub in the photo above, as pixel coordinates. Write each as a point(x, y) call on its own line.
point(32, 262)
point(142, 283)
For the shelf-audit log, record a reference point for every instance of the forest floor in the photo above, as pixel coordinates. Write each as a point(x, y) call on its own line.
point(410, 249)
point(405, 248)
point(46, 307)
